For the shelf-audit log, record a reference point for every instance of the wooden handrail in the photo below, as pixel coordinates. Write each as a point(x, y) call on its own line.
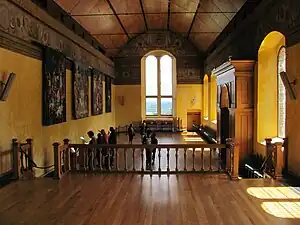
point(151, 146)
point(194, 158)
point(275, 157)
point(22, 158)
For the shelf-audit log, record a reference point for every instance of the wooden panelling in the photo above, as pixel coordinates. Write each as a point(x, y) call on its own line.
point(203, 40)
point(25, 21)
point(100, 24)
point(133, 23)
point(91, 7)
point(244, 131)
point(242, 39)
point(237, 75)
point(147, 15)
point(155, 6)
point(112, 41)
point(157, 21)
point(181, 22)
point(184, 5)
point(122, 6)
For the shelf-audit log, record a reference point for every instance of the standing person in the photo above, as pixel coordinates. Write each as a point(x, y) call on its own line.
point(131, 133)
point(154, 141)
point(91, 150)
point(143, 129)
point(104, 151)
point(147, 141)
point(112, 140)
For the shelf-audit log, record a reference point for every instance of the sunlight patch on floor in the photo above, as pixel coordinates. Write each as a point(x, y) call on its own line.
point(274, 192)
point(280, 201)
point(282, 209)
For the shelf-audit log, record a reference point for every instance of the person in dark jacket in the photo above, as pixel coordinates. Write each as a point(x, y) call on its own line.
point(154, 141)
point(147, 141)
point(91, 151)
point(112, 140)
point(102, 139)
point(131, 133)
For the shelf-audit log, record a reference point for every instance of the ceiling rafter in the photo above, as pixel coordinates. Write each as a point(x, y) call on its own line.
point(150, 13)
point(115, 14)
point(169, 14)
point(143, 11)
point(194, 18)
point(151, 32)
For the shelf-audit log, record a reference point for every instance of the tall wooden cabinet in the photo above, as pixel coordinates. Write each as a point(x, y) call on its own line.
point(235, 103)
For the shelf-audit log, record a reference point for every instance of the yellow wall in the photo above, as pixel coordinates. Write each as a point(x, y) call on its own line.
point(293, 109)
point(131, 110)
point(184, 96)
point(20, 115)
point(213, 98)
point(267, 86)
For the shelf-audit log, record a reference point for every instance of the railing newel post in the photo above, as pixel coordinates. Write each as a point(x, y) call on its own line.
point(16, 159)
point(57, 163)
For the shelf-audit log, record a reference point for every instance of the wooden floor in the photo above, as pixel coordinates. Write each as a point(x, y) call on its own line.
point(131, 199)
point(170, 138)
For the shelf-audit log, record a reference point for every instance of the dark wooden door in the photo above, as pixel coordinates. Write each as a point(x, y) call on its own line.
point(193, 118)
point(224, 131)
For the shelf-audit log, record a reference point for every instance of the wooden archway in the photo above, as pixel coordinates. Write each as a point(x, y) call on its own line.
point(224, 97)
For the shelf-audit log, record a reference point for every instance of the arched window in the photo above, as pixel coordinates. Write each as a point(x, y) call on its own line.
point(281, 67)
point(159, 85)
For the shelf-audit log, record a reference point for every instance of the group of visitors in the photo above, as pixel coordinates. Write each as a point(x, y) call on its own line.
point(104, 156)
point(147, 138)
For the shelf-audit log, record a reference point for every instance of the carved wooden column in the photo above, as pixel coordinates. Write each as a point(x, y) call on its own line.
point(278, 160)
point(209, 99)
point(67, 155)
point(16, 159)
point(57, 162)
point(269, 155)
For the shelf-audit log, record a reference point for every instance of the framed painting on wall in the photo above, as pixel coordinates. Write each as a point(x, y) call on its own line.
point(80, 90)
point(97, 92)
point(107, 94)
point(54, 87)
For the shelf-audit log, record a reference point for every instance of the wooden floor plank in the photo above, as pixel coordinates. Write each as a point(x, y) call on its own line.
point(130, 199)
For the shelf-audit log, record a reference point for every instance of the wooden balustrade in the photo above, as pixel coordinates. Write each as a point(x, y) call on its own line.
point(22, 159)
point(232, 158)
point(276, 157)
point(62, 159)
point(169, 158)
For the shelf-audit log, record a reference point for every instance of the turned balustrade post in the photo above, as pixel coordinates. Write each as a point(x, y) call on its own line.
point(285, 154)
point(57, 161)
point(67, 154)
point(16, 158)
point(228, 154)
point(235, 161)
point(30, 154)
point(278, 160)
point(232, 154)
point(269, 155)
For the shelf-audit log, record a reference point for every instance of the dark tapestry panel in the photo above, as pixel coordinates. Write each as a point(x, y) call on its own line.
point(107, 94)
point(97, 93)
point(80, 91)
point(54, 87)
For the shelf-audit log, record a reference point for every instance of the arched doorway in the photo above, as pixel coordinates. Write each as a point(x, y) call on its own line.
point(271, 93)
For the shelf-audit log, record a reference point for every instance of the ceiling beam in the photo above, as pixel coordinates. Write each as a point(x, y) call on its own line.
point(153, 32)
point(143, 11)
point(194, 18)
point(115, 14)
point(169, 12)
point(138, 13)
